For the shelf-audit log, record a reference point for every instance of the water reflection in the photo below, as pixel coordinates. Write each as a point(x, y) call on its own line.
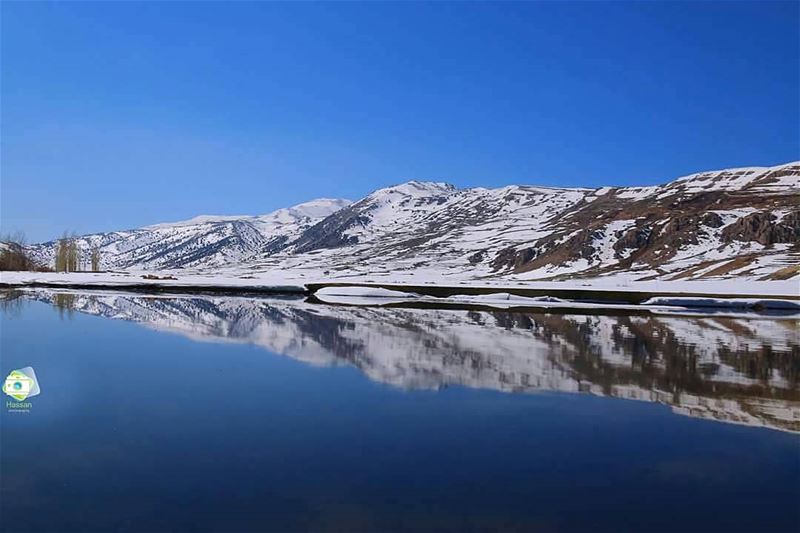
point(741, 371)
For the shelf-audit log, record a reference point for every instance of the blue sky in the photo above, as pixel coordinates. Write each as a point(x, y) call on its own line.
point(117, 115)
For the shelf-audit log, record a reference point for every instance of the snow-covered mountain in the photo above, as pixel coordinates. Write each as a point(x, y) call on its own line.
point(201, 242)
point(734, 370)
point(729, 223)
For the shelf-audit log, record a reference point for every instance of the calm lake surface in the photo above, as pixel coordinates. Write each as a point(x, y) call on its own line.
point(240, 414)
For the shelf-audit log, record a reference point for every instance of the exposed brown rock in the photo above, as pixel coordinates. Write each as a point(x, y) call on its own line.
point(762, 227)
point(663, 227)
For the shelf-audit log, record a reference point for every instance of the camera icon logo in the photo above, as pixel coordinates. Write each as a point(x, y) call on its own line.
point(21, 384)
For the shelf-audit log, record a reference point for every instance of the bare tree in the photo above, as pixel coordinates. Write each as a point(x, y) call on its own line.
point(73, 255)
point(67, 253)
point(61, 254)
point(95, 259)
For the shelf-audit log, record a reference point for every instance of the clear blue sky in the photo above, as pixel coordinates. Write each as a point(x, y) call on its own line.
point(117, 115)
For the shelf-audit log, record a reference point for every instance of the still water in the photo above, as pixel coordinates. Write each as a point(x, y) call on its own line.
point(241, 414)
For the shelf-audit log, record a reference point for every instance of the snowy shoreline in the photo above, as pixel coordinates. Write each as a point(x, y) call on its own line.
point(143, 281)
point(780, 298)
point(298, 280)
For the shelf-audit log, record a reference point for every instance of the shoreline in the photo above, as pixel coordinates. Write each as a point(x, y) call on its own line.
point(578, 297)
point(598, 290)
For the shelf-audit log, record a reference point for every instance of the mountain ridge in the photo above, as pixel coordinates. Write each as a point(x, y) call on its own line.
point(741, 222)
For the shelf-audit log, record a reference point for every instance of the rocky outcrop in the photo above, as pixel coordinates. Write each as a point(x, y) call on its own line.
point(765, 228)
point(331, 232)
point(648, 230)
point(636, 238)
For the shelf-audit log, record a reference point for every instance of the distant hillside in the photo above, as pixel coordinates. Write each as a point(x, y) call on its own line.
point(202, 242)
point(729, 223)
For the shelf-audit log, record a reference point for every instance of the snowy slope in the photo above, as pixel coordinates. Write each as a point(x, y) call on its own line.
point(722, 224)
point(432, 225)
point(737, 223)
point(202, 242)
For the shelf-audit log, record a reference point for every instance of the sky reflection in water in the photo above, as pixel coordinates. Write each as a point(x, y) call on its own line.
point(136, 429)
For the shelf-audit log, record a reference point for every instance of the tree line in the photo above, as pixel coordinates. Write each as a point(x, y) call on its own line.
point(14, 255)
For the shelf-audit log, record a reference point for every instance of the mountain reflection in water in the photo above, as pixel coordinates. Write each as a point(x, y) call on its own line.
point(742, 371)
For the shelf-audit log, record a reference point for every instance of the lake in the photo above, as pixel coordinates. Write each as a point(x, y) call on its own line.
point(194, 413)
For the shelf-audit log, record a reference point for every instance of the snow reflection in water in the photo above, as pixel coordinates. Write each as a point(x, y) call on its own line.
point(740, 371)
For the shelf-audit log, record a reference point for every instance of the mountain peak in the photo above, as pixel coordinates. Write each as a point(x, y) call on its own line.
point(417, 188)
point(200, 219)
point(318, 208)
